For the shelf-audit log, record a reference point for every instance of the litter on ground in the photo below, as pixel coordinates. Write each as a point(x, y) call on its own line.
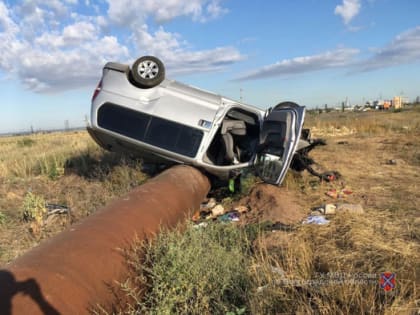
point(335, 193)
point(230, 216)
point(316, 219)
point(330, 208)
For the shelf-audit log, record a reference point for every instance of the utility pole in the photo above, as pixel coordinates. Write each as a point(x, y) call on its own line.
point(240, 94)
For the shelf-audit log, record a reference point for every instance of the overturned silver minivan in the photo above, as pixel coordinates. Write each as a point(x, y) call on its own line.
point(137, 110)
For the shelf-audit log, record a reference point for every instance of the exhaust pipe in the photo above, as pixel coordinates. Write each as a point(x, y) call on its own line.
point(73, 272)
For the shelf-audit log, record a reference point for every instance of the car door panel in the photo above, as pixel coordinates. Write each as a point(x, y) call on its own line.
point(280, 135)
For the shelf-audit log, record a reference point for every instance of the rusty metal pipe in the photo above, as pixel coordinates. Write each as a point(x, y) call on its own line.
point(72, 272)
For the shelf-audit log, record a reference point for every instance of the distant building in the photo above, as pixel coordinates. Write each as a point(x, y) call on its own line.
point(378, 104)
point(397, 102)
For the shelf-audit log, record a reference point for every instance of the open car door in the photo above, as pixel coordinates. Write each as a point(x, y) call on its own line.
point(280, 135)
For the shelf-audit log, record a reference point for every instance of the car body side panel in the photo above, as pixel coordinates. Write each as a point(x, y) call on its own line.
point(170, 100)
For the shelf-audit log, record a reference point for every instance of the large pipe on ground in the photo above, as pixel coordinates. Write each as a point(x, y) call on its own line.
point(71, 272)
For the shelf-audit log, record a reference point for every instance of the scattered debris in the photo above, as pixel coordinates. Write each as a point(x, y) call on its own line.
point(232, 216)
point(316, 219)
point(342, 193)
point(212, 210)
point(56, 209)
point(301, 161)
point(343, 142)
point(330, 208)
point(208, 210)
point(391, 162)
point(330, 176)
point(210, 204)
point(332, 193)
point(327, 209)
point(218, 210)
point(54, 215)
point(265, 203)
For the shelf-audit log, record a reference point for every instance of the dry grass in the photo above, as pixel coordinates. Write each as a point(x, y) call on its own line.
point(61, 168)
point(364, 160)
point(335, 269)
point(41, 154)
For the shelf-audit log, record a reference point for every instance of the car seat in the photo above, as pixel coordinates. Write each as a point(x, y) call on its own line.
point(231, 128)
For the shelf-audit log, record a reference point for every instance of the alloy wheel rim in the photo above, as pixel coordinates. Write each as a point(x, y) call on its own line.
point(148, 69)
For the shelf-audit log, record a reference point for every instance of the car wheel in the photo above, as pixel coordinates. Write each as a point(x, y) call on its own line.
point(148, 71)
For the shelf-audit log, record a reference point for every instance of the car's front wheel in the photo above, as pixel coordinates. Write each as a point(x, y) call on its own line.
point(148, 71)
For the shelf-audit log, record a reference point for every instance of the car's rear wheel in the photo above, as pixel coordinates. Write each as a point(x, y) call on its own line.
point(148, 71)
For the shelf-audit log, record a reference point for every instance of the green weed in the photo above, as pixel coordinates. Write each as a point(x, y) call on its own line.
point(25, 142)
point(198, 271)
point(33, 208)
point(3, 218)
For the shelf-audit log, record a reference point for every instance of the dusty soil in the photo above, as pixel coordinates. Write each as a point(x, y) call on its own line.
point(273, 204)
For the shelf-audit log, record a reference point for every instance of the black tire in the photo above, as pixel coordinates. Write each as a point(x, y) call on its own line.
point(148, 71)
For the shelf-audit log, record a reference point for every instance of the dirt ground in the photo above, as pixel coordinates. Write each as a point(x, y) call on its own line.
point(268, 203)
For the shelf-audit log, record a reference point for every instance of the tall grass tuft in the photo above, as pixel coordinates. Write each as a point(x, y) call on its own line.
point(25, 142)
point(33, 208)
point(195, 271)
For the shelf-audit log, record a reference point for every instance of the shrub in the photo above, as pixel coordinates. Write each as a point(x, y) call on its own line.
point(198, 271)
point(25, 142)
point(33, 208)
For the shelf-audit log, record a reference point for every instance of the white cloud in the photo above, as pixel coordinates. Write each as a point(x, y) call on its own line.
point(49, 47)
point(331, 59)
point(214, 10)
point(72, 35)
point(8, 31)
point(36, 15)
point(348, 10)
point(55, 60)
point(78, 32)
point(6, 23)
point(129, 13)
point(404, 49)
point(49, 70)
point(176, 55)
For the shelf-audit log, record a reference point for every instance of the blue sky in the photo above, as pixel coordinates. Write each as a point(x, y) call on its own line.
point(308, 51)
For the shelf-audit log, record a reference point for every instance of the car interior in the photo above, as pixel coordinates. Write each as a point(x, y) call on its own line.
point(236, 139)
